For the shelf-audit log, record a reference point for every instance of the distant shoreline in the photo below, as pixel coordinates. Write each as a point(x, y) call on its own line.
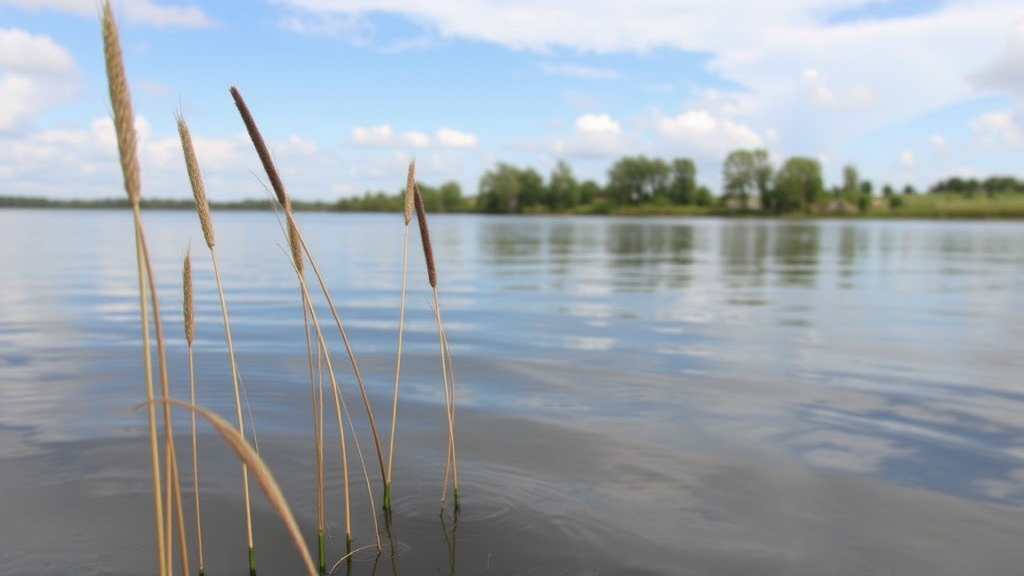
point(923, 206)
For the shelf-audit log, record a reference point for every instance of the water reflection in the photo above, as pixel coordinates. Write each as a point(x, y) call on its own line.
point(693, 365)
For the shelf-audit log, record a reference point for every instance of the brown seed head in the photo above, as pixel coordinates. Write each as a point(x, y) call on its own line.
point(428, 252)
point(187, 307)
point(196, 179)
point(294, 240)
point(410, 182)
point(261, 147)
point(121, 100)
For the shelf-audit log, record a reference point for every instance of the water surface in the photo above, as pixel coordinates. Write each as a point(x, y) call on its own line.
point(644, 396)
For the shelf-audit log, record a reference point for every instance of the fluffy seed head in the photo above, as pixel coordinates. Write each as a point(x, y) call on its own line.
point(121, 101)
point(410, 183)
point(196, 179)
point(187, 307)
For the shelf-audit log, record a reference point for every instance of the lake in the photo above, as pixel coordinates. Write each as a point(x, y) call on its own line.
point(635, 396)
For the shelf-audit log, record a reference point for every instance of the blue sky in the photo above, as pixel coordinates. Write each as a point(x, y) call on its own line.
point(347, 91)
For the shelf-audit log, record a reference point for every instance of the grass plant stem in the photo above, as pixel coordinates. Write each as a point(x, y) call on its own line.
point(277, 186)
point(407, 216)
point(188, 310)
point(446, 381)
point(296, 242)
point(261, 473)
point(206, 223)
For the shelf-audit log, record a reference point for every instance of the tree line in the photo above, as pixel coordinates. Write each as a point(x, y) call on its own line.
point(750, 183)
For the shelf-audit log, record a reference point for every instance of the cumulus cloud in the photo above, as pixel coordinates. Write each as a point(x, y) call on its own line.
point(1001, 128)
point(132, 11)
point(704, 131)
point(1006, 70)
point(35, 74)
point(593, 135)
point(452, 138)
point(597, 124)
point(383, 135)
point(938, 142)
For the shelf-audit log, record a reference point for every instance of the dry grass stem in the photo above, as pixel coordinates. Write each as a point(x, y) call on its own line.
point(120, 99)
point(188, 310)
point(261, 473)
point(206, 222)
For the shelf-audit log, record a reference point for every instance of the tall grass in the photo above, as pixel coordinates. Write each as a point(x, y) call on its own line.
point(189, 313)
point(166, 491)
point(206, 223)
point(447, 377)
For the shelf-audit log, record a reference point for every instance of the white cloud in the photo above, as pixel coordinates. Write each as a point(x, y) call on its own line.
point(381, 135)
point(35, 74)
point(1002, 127)
point(132, 11)
point(821, 93)
point(577, 71)
point(23, 52)
point(938, 141)
point(907, 159)
point(597, 124)
point(1005, 71)
point(451, 138)
point(594, 135)
point(415, 139)
point(707, 133)
point(898, 67)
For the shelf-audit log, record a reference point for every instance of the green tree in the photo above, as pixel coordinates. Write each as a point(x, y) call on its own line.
point(499, 190)
point(451, 197)
point(851, 181)
point(590, 191)
point(747, 172)
point(798, 184)
point(703, 196)
point(683, 187)
point(633, 180)
point(563, 190)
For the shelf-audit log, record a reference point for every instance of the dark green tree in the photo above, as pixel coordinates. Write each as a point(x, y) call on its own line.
point(563, 190)
point(637, 179)
point(798, 184)
point(683, 189)
point(746, 173)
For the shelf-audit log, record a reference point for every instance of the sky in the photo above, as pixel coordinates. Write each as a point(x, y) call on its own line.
point(347, 92)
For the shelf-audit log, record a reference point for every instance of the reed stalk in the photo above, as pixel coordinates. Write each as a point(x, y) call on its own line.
point(261, 473)
point(447, 380)
point(206, 223)
point(299, 248)
point(279, 191)
point(410, 201)
point(124, 127)
point(189, 313)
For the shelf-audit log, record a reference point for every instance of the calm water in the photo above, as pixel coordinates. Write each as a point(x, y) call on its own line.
point(649, 396)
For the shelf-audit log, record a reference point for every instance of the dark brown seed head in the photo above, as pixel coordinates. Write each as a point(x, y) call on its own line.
point(428, 252)
point(261, 147)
